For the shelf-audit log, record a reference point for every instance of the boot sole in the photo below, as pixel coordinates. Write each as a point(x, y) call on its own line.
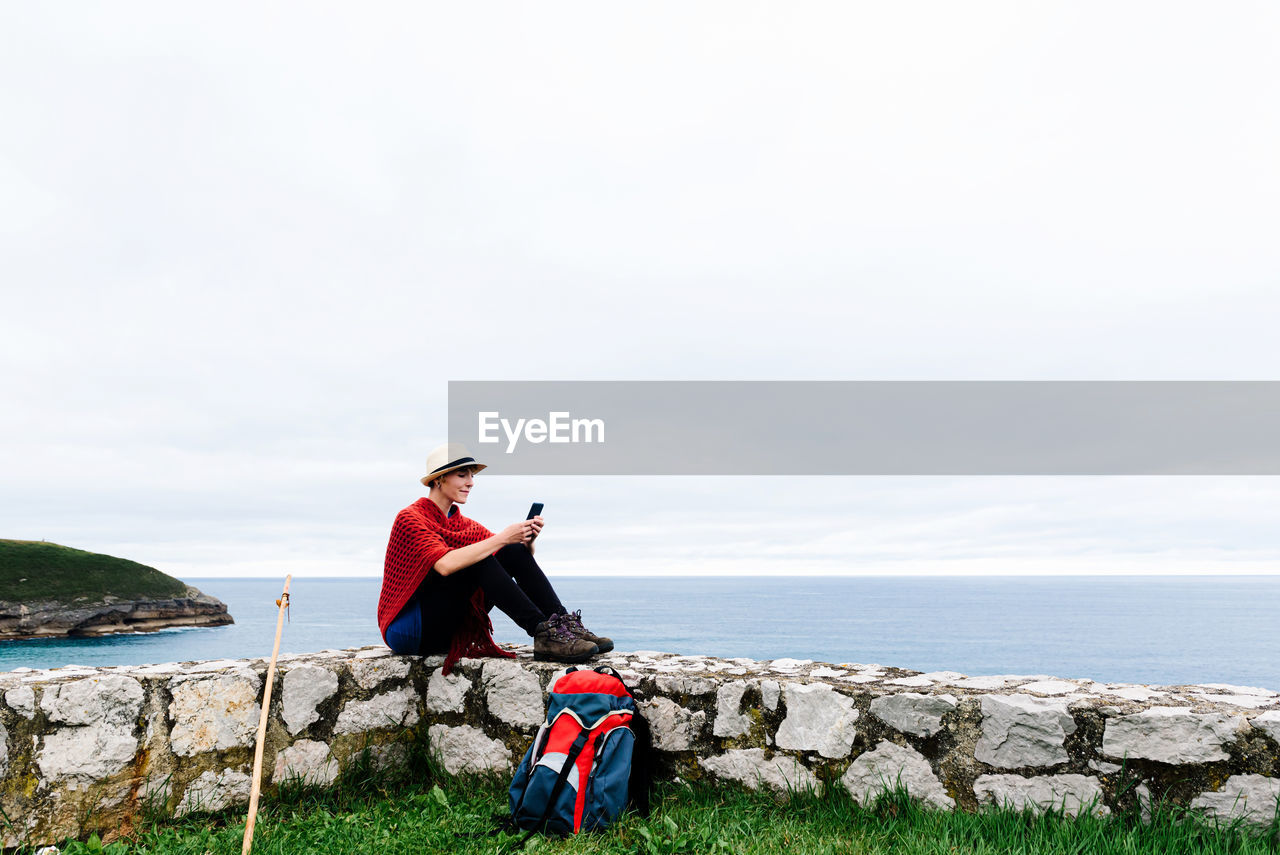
point(572, 660)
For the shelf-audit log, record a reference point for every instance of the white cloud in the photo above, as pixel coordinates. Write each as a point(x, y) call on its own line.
point(245, 248)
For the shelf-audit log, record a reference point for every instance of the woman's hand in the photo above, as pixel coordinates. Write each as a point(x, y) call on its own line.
point(521, 532)
point(456, 559)
point(537, 527)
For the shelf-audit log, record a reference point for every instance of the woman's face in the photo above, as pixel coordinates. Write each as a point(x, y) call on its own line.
point(456, 485)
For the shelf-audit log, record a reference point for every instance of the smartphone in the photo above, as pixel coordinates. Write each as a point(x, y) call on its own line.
point(534, 510)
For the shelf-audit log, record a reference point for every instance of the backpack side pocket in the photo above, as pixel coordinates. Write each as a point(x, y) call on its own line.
point(608, 784)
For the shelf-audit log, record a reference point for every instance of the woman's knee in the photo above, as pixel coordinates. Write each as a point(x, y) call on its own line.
point(405, 632)
point(516, 559)
point(461, 582)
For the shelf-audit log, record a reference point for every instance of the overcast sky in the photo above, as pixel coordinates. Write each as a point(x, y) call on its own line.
point(244, 247)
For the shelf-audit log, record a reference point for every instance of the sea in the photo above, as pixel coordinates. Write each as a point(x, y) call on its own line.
point(1138, 629)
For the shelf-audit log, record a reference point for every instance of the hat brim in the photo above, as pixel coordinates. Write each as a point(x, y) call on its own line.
point(431, 476)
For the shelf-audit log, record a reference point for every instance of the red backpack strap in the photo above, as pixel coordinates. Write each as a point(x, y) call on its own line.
point(569, 763)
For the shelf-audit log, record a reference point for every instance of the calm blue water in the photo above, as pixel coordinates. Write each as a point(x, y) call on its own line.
point(1128, 628)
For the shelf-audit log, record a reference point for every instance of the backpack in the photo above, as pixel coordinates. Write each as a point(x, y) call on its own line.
point(587, 761)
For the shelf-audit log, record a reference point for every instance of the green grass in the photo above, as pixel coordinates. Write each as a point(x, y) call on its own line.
point(35, 571)
point(409, 814)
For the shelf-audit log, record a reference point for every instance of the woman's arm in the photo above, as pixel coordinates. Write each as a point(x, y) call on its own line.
point(464, 556)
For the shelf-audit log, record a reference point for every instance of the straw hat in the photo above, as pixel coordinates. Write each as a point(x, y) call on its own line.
point(443, 459)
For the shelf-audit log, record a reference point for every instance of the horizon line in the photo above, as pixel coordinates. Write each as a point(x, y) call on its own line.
point(829, 576)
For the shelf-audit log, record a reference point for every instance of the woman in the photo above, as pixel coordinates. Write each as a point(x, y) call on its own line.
point(444, 572)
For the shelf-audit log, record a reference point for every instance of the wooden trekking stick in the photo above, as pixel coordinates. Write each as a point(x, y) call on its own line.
point(283, 603)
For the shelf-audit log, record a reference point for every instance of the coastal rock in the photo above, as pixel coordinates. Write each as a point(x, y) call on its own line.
point(1072, 794)
point(1020, 731)
point(446, 694)
point(918, 715)
point(397, 708)
point(512, 694)
point(214, 712)
point(1251, 798)
point(56, 619)
point(750, 766)
point(306, 687)
point(466, 749)
point(818, 719)
point(729, 722)
point(4, 752)
point(891, 766)
point(22, 700)
point(214, 791)
point(1171, 735)
point(305, 762)
point(673, 727)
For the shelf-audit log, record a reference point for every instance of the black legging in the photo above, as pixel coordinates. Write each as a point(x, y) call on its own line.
point(511, 580)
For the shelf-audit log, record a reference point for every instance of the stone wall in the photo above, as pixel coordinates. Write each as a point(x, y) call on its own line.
point(84, 749)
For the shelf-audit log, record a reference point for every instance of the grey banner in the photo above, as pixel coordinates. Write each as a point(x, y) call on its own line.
point(869, 428)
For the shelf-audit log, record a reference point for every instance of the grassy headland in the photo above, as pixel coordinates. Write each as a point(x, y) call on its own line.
point(36, 571)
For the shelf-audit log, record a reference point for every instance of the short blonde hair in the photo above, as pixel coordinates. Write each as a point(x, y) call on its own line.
point(470, 470)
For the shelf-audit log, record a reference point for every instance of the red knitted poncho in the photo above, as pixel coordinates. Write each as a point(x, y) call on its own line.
point(422, 534)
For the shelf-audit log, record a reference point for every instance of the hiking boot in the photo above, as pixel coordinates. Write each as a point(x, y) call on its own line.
point(574, 621)
point(554, 642)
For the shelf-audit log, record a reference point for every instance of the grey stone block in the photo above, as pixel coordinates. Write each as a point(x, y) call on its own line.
point(1020, 731)
point(1171, 735)
point(1072, 794)
point(918, 715)
point(891, 766)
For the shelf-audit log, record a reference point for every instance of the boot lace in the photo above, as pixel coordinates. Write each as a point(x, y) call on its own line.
point(561, 629)
point(574, 620)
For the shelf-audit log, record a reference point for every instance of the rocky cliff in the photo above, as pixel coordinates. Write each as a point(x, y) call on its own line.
point(51, 590)
point(55, 618)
